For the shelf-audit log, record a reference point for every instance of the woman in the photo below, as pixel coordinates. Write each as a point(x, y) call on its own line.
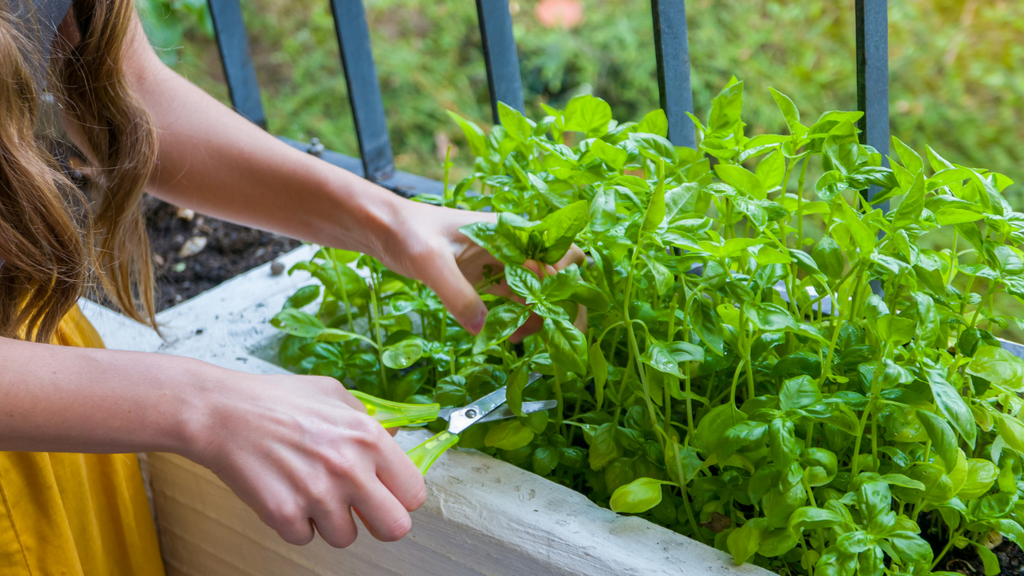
point(298, 449)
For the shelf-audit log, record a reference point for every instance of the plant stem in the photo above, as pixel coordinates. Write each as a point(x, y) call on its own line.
point(344, 295)
point(800, 203)
point(375, 316)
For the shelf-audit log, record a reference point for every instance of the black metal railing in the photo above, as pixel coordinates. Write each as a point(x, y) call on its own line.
point(672, 52)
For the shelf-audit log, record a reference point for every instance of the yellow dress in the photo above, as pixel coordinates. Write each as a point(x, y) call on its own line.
point(75, 514)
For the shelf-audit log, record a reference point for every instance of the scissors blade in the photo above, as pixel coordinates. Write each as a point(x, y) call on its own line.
point(462, 418)
point(504, 412)
point(482, 410)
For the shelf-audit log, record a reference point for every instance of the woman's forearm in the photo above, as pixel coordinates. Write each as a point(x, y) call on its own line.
point(62, 399)
point(294, 448)
point(216, 162)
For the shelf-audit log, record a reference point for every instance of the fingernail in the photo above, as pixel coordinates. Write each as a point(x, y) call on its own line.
point(551, 270)
point(477, 326)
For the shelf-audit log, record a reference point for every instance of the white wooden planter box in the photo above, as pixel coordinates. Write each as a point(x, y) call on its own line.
point(482, 516)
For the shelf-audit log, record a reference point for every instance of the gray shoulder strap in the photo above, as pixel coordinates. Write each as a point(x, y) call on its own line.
point(41, 19)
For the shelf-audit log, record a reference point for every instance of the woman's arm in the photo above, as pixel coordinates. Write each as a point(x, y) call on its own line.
point(216, 162)
point(294, 448)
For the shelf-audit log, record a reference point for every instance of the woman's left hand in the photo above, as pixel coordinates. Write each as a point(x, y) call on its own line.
point(426, 245)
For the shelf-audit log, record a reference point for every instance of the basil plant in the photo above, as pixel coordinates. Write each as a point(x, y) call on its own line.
point(790, 348)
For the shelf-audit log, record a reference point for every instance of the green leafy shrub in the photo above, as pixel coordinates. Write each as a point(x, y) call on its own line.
point(784, 372)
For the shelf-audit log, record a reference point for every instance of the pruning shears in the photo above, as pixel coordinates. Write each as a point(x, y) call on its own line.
point(487, 409)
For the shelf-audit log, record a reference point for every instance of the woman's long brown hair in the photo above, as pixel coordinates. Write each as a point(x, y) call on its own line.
point(50, 252)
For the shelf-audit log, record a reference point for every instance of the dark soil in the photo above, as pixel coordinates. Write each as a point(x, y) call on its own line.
point(966, 561)
point(229, 251)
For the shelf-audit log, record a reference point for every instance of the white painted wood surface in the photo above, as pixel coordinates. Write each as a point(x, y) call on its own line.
point(482, 516)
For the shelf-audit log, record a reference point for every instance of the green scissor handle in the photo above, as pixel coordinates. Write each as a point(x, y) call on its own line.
point(427, 452)
point(395, 414)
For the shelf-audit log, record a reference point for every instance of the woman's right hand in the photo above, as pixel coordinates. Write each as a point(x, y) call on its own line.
point(301, 451)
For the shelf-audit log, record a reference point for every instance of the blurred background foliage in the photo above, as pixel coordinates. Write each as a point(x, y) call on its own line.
point(957, 67)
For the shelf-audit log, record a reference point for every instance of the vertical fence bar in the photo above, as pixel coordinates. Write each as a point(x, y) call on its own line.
point(233, 44)
point(500, 55)
point(363, 89)
point(672, 50)
point(873, 78)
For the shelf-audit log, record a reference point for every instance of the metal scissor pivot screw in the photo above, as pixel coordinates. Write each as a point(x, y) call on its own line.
point(470, 413)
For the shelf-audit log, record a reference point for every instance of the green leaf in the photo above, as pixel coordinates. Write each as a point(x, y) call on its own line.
point(910, 159)
point(789, 112)
point(588, 114)
point(658, 357)
point(523, 282)
point(942, 437)
point(725, 111)
point(862, 235)
point(911, 206)
point(560, 229)
point(474, 135)
point(902, 481)
point(830, 185)
point(829, 258)
point(952, 405)
point(998, 367)
point(502, 321)
point(638, 496)
point(981, 475)
point(504, 244)
point(403, 354)
point(655, 147)
point(707, 324)
point(988, 559)
point(297, 323)
point(603, 448)
point(712, 427)
point(566, 344)
point(742, 179)
point(927, 319)
point(516, 125)
point(545, 458)
point(813, 518)
point(302, 296)
point(613, 156)
point(335, 335)
point(1009, 528)
point(509, 435)
point(799, 392)
point(655, 213)
point(769, 317)
point(654, 122)
point(744, 541)
point(514, 387)
point(772, 170)
point(910, 547)
point(1012, 432)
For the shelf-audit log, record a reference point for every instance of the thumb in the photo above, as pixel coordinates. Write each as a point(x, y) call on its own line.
point(457, 294)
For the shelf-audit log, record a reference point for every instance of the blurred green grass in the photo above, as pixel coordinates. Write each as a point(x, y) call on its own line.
point(957, 67)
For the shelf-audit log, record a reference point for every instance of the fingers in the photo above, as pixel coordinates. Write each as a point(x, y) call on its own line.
point(457, 294)
point(290, 521)
point(532, 325)
point(336, 526)
point(399, 475)
point(384, 516)
point(575, 255)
